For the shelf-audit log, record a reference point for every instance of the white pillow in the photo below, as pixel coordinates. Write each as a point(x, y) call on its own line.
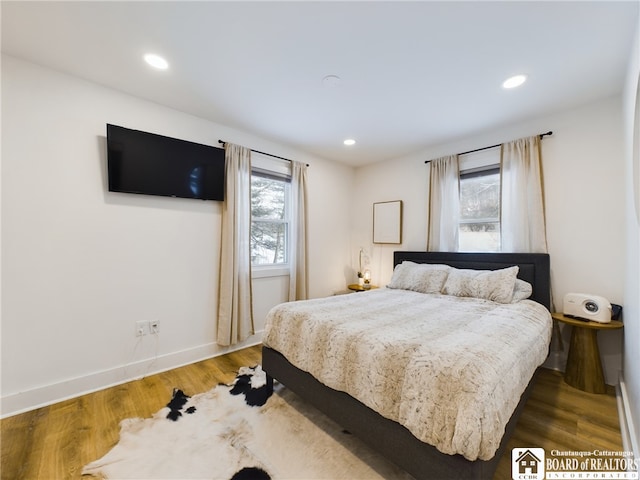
point(521, 291)
point(419, 277)
point(495, 285)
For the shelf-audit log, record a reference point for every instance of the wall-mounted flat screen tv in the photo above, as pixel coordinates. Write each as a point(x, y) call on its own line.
point(150, 164)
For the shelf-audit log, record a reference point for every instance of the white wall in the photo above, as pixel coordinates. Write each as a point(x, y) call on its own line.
point(80, 265)
point(584, 174)
point(631, 368)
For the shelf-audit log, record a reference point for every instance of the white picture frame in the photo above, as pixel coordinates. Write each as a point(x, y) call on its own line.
point(387, 222)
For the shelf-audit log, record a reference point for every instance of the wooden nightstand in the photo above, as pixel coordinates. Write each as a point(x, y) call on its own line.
point(359, 288)
point(584, 368)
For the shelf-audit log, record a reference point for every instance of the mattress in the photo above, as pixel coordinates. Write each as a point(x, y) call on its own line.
point(450, 369)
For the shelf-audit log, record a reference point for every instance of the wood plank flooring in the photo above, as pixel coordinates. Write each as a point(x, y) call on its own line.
point(55, 442)
point(560, 417)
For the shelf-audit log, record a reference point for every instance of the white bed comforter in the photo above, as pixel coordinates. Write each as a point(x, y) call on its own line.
point(449, 369)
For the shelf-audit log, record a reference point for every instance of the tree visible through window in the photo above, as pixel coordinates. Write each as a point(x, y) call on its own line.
point(479, 229)
point(269, 220)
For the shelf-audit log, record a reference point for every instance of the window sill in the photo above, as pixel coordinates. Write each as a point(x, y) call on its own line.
point(270, 271)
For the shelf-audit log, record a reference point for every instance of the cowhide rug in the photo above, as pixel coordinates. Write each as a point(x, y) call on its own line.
point(240, 432)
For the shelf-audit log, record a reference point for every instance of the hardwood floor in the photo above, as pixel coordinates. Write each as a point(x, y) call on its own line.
point(55, 442)
point(560, 417)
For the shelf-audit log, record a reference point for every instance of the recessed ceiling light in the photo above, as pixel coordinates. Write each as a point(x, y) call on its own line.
point(331, 81)
point(514, 81)
point(349, 141)
point(156, 61)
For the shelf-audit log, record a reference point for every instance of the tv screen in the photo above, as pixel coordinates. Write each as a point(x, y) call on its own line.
point(146, 163)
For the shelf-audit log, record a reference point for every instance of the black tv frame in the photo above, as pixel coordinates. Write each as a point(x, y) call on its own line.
point(150, 164)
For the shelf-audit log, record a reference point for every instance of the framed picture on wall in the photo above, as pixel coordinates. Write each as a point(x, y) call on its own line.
point(387, 222)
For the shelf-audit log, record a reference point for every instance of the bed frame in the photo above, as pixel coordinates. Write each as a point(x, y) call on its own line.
point(391, 439)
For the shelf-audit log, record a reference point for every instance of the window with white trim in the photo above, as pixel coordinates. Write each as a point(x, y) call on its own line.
point(270, 199)
point(479, 224)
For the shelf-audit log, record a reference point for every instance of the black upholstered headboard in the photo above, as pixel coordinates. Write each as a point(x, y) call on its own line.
point(534, 267)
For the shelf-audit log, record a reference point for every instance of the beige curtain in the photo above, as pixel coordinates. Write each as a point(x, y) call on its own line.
point(444, 204)
point(522, 205)
point(298, 246)
point(235, 316)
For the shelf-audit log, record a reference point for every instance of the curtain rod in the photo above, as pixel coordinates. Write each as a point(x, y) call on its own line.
point(542, 135)
point(262, 153)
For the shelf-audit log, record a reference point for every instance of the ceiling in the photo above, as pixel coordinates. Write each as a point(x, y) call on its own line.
point(413, 74)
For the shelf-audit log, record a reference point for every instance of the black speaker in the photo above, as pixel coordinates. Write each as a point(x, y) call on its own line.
point(616, 311)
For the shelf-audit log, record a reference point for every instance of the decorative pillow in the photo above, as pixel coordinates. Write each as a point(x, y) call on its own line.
point(419, 277)
point(521, 291)
point(495, 285)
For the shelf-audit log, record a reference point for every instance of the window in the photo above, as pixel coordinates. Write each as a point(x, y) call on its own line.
point(269, 219)
point(479, 227)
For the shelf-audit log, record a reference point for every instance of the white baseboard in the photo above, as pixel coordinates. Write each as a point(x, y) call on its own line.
point(627, 427)
point(49, 394)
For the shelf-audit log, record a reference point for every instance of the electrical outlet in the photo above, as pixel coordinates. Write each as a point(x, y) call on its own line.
point(154, 326)
point(142, 328)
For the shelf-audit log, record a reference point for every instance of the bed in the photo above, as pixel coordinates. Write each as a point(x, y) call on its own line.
point(433, 429)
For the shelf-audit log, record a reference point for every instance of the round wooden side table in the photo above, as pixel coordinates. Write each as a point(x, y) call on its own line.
point(359, 288)
point(584, 367)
